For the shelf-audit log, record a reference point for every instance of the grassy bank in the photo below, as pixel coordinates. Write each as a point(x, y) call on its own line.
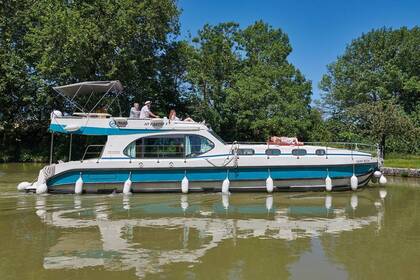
point(402, 161)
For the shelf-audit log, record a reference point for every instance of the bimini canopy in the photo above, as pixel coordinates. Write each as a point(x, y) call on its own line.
point(88, 87)
point(70, 92)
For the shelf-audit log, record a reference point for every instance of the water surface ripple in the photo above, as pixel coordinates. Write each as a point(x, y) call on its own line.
point(369, 234)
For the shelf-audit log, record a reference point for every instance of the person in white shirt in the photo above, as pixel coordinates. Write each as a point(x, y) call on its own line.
point(145, 112)
point(134, 111)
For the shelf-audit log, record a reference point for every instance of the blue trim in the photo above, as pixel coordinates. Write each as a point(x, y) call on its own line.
point(87, 130)
point(210, 174)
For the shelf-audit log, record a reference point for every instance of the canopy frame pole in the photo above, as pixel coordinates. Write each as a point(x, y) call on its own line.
point(70, 100)
point(74, 96)
point(106, 93)
point(71, 142)
point(119, 107)
point(84, 106)
point(51, 147)
point(112, 101)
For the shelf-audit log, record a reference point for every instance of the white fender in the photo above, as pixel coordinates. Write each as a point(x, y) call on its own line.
point(78, 185)
point(269, 202)
point(55, 114)
point(328, 201)
point(22, 186)
point(225, 185)
point(377, 174)
point(127, 185)
point(184, 184)
point(354, 183)
point(269, 185)
point(328, 184)
point(71, 128)
point(382, 180)
point(41, 187)
point(354, 201)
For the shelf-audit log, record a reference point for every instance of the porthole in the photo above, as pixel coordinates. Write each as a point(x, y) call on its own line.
point(299, 152)
point(272, 152)
point(246, 152)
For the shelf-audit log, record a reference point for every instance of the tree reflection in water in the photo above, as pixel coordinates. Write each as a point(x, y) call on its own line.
point(193, 233)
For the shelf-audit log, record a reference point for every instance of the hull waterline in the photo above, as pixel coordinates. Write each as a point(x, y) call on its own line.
point(210, 180)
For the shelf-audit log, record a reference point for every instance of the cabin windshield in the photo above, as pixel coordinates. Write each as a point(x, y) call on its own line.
point(169, 146)
point(217, 136)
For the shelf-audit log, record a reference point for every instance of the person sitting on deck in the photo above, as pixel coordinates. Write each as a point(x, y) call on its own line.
point(172, 117)
point(145, 112)
point(134, 111)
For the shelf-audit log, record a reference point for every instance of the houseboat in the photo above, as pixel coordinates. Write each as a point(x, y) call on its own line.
point(159, 155)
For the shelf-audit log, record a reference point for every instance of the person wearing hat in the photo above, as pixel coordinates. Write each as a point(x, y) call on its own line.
point(145, 112)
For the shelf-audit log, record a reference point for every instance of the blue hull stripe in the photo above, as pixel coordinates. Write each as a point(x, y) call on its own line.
point(213, 174)
point(86, 130)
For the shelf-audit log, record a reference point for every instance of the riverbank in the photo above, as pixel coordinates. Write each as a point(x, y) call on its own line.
point(402, 165)
point(401, 172)
point(402, 161)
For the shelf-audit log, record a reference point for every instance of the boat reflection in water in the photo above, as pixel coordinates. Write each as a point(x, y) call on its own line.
point(146, 233)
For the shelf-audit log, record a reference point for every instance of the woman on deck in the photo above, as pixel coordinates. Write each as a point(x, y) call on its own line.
point(172, 117)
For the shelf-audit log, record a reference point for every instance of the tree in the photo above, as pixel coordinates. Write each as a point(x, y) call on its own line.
point(213, 59)
point(244, 79)
point(378, 71)
point(383, 119)
point(270, 96)
point(18, 88)
point(127, 40)
point(60, 42)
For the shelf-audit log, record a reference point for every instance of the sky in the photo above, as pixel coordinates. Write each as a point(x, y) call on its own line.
point(318, 30)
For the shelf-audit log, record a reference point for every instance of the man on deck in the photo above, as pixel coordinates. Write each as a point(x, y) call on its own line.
point(145, 112)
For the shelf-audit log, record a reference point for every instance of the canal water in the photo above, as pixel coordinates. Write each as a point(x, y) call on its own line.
point(369, 234)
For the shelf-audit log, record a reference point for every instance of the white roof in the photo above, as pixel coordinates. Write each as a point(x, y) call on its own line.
point(89, 87)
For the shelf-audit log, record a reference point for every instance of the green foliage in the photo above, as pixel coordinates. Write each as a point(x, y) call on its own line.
point(59, 42)
point(244, 85)
point(373, 89)
point(237, 79)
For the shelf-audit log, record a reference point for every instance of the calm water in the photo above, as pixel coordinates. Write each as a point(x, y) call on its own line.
point(371, 234)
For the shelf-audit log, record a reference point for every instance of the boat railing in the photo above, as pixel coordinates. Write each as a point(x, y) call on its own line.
point(179, 151)
point(328, 146)
point(93, 151)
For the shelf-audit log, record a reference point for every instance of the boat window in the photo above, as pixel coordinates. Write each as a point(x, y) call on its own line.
point(245, 152)
point(196, 145)
point(299, 152)
point(172, 146)
point(272, 152)
point(320, 152)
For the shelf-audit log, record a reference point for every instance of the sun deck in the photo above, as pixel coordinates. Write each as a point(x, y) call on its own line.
point(105, 124)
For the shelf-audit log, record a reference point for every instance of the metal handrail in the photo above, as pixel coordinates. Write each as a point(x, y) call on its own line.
point(306, 143)
point(329, 146)
point(161, 153)
point(88, 153)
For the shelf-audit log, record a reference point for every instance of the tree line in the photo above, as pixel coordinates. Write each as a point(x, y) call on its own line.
point(237, 79)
